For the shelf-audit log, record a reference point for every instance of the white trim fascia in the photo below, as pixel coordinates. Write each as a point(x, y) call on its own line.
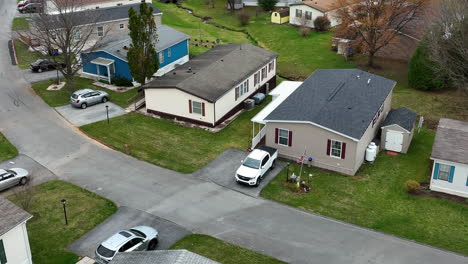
point(314, 124)
point(395, 125)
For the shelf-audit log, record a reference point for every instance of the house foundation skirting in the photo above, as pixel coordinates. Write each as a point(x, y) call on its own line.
point(181, 118)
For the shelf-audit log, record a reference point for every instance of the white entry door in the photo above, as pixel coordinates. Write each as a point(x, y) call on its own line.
point(394, 140)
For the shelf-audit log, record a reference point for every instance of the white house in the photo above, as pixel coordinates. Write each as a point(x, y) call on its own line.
point(304, 13)
point(14, 242)
point(52, 6)
point(213, 86)
point(450, 156)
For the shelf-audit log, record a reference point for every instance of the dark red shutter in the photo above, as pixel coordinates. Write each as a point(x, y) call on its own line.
point(237, 92)
point(203, 109)
point(190, 105)
point(343, 150)
point(276, 135)
point(290, 138)
point(328, 147)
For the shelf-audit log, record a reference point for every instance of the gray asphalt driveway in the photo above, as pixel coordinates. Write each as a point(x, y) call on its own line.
point(39, 173)
point(92, 114)
point(125, 218)
point(34, 77)
point(222, 169)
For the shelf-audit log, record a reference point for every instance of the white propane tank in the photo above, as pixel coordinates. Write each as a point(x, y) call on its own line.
point(371, 152)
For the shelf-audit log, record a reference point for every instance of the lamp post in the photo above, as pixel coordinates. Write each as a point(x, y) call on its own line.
point(107, 112)
point(63, 201)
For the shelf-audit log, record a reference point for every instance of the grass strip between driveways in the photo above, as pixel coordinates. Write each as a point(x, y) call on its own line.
point(24, 56)
point(221, 251)
point(62, 97)
point(7, 150)
point(20, 23)
point(48, 234)
point(169, 145)
point(376, 198)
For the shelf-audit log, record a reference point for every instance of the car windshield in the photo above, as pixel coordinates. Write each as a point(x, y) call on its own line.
point(12, 172)
point(251, 163)
point(105, 252)
point(74, 96)
point(138, 233)
point(37, 62)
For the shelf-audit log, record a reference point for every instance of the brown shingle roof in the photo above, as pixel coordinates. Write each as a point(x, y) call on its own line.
point(11, 215)
point(451, 142)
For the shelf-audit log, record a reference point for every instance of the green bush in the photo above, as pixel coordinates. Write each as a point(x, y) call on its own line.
point(121, 81)
point(412, 186)
point(322, 24)
point(267, 5)
point(243, 19)
point(421, 73)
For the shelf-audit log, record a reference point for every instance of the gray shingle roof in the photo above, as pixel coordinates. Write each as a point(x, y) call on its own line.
point(11, 215)
point(114, 44)
point(451, 141)
point(402, 117)
point(181, 256)
point(216, 71)
point(342, 100)
point(100, 15)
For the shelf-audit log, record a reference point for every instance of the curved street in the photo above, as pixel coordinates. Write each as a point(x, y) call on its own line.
point(201, 206)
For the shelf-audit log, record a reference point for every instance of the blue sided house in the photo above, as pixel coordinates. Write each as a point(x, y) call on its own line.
point(109, 58)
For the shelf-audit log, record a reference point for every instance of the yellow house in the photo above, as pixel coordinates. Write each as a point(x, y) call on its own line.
point(280, 16)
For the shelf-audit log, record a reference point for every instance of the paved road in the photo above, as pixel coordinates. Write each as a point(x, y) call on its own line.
point(199, 206)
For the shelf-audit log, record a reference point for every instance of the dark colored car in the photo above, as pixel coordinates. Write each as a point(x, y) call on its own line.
point(43, 65)
point(31, 8)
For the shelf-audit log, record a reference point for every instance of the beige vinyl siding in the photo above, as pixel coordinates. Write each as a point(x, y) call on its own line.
point(314, 140)
point(173, 101)
point(228, 101)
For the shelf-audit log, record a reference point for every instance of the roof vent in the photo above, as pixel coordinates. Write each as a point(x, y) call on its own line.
point(368, 81)
point(125, 47)
point(117, 50)
point(222, 60)
point(358, 77)
point(334, 92)
point(174, 73)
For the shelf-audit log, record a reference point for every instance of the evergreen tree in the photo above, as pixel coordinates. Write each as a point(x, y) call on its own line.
point(142, 57)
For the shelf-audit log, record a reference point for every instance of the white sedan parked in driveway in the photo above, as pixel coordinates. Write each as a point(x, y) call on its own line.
point(12, 177)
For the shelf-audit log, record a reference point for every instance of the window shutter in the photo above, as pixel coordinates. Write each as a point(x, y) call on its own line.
point(290, 138)
point(328, 147)
point(3, 258)
point(190, 106)
point(436, 171)
point(343, 150)
point(276, 136)
point(452, 171)
point(237, 93)
point(203, 109)
point(466, 180)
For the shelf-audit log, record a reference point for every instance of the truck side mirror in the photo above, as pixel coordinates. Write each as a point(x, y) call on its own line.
point(242, 161)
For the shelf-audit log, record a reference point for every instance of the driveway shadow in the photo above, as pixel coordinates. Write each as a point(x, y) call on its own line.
point(222, 169)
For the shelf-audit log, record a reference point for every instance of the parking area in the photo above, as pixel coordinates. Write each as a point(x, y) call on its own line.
point(222, 170)
point(34, 77)
point(125, 218)
point(92, 114)
point(38, 173)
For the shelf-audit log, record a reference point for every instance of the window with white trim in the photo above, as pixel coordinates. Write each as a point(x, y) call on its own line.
point(243, 88)
point(100, 31)
point(169, 52)
point(264, 73)
point(298, 13)
point(271, 66)
point(256, 78)
point(283, 137)
point(77, 35)
point(444, 172)
point(197, 107)
point(161, 57)
point(336, 148)
point(308, 15)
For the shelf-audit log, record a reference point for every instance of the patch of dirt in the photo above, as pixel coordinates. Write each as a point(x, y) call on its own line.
point(56, 87)
point(425, 192)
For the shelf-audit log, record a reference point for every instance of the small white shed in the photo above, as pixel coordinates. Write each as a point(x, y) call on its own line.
point(397, 130)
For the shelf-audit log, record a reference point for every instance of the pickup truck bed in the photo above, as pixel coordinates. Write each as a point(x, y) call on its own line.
point(270, 150)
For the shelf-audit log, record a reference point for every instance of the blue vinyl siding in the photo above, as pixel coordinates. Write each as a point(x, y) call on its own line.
point(121, 66)
point(178, 51)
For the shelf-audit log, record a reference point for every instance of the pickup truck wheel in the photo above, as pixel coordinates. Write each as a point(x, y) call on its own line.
point(259, 179)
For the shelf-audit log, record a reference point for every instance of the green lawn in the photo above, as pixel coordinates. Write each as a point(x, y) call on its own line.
point(62, 97)
point(24, 56)
point(48, 234)
point(222, 251)
point(20, 23)
point(376, 198)
point(7, 150)
point(170, 145)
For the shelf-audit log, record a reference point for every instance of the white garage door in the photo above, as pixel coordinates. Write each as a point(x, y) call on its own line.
point(394, 140)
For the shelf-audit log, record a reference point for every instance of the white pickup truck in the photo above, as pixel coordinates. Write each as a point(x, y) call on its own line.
point(256, 165)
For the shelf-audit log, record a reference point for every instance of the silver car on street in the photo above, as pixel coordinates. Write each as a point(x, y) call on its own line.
point(86, 97)
point(139, 238)
point(13, 177)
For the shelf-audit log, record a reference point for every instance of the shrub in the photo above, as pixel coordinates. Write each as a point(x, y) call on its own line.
point(121, 81)
point(412, 186)
point(267, 5)
point(304, 31)
point(322, 23)
point(421, 72)
point(243, 19)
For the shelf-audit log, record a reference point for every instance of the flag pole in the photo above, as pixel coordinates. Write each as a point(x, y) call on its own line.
point(302, 161)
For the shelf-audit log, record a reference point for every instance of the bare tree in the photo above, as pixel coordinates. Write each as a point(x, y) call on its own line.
point(211, 3)
point(231, 5)
point(374, 23)
point(71, 29)
point(25, 194)
point(447, 41)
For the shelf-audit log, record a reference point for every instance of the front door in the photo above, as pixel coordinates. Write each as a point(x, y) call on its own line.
point(394, 141)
